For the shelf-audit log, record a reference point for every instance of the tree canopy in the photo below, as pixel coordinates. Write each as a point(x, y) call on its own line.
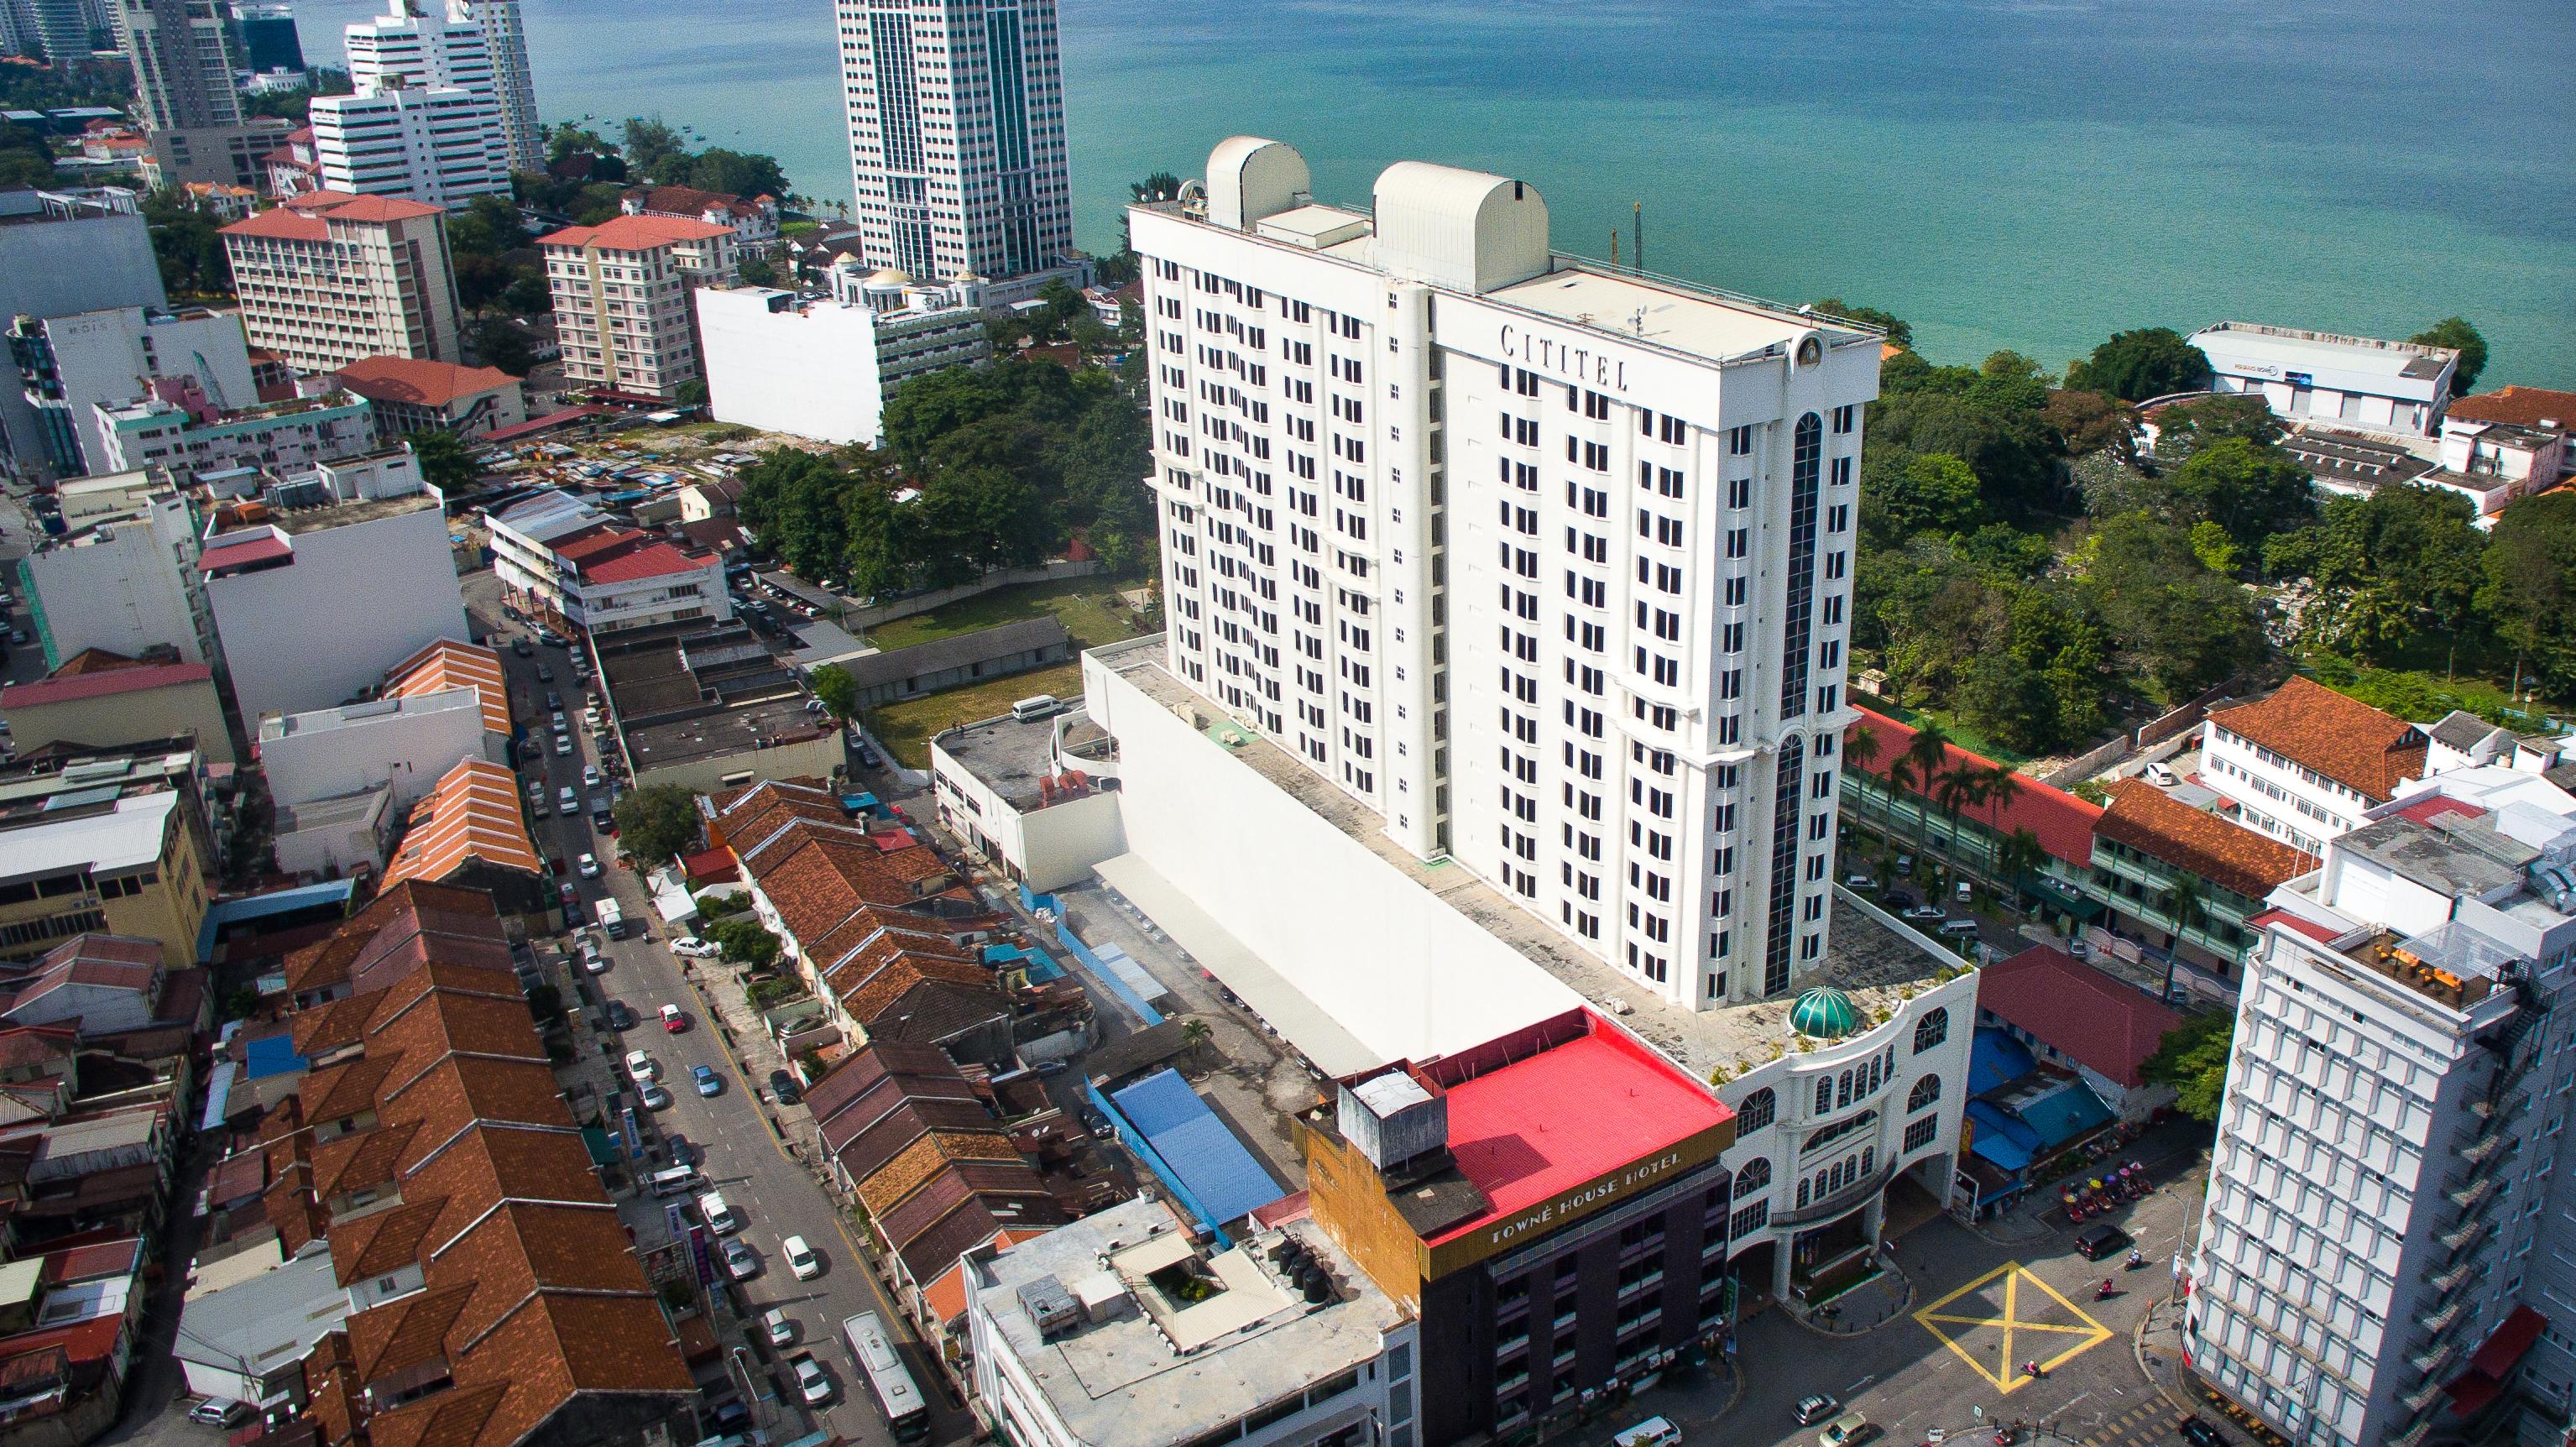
point(2457, 332)
point(656, 822)
point(2137, 365)
point(2193, 1060)
point(444, 462)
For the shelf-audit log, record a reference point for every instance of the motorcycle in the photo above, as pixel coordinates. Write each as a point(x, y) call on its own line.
point(2106, 1290)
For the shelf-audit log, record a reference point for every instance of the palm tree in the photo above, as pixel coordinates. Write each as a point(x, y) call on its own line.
point(2017, 856)
point(1957, 789)
point(1195, 1036)
point(1926, 759)
point(2185, 906)
point(1861, 745)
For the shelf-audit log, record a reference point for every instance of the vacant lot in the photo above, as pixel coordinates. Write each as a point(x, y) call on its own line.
point(1088, 608)
point(906, 728)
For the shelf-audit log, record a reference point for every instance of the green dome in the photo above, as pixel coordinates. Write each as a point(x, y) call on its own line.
point(1825, 1013)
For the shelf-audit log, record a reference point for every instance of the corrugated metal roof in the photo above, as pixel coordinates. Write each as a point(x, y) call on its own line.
point(1211, 1164)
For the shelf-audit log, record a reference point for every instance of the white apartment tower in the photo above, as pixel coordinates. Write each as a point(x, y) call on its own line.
point(183, 59)
point(1546, 565)
point(427, 120)
point(505, 38)
point(957, 154)
point(2386, 1256)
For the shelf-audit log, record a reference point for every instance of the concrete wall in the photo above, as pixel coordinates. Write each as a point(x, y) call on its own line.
point(1405, 973)
point(123, 593)
point(1045, 849)
point(124, 718)
point(941, 597)
point(399, 742)
point(356, 601)
point(809, 373)
point(816, 758)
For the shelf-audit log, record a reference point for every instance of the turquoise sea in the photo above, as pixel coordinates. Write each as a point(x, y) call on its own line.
point(2004, 173)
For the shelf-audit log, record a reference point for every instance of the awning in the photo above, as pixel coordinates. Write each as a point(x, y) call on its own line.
point(2494, 1361)
point(2082, 908)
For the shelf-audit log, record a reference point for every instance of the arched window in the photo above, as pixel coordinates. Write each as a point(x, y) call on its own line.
point(1824, 1094)
point(1756, 1111)
point(1931, 1030)
point(1802, 1193)
point(1756, 1176)
point(1842, 1096)
point(1926, 1091)
point(1868, 1160)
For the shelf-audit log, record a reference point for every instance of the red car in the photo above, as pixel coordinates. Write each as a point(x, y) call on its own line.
point(673, 1020)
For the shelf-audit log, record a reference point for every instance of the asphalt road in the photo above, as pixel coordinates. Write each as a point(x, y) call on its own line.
point(745, 1157)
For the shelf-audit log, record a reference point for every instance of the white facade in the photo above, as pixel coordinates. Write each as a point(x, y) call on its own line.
point(621, 298)
point(407, 742)
point(291, 638)
point(330, 278)
point(1546, 566)
point(1072, 1347)
point(124, 583)
point(957, 151)
point(2359, 383)
point(821, 369)
point(439, 147)
point(70, 365)
point(1006, 787)
point(2383, 1193)
point(632, 582)
point(190, 442)
point(55, 265)
point(505, 38)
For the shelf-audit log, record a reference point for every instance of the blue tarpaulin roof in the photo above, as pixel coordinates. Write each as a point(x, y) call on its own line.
point(272, 1056)
point(2000, 1138)
point(219, 1095)
point(2063, 1114)
point(260, 906)
point(1211, 1165)
point(1996, 1060)
point(2013, 1131)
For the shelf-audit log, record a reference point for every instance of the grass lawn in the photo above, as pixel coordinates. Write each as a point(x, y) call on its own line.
point(906, 728)
point(1086, 606)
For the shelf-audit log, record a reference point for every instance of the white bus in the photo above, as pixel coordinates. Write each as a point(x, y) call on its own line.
point(889, 1380)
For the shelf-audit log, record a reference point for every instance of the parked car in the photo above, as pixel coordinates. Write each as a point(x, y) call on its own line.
point(801, 1258)
point(1927, 914)
point(2199, 1433)
point(1094, 1122)
point(653, 1096)
point(642, 1066)
point(1817, 1408)
point(1898, 899)
point(2161, 775)
point(620, 1019)
point(520, 647)
point(674, 1022)
point(554, 701)
point(1905, 866)
point(220, 1412)
point(566, 799)
point(729, 1415)
point(537, 806)
point(741, 1262)
point(1861, 880)
point(694, 948)
point(571, 896)
point(1962, 893)
point(782, 1088)
point(545, 673)
point(1848, 1430)
point(588, 866)
point(682, 1151)
point(812, 1382)
point(780, 1328)
point(590, 776)
point(709, 1083)
point(594, 960)
point(563, 745)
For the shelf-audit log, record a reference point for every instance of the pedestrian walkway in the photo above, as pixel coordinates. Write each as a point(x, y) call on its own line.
point(1866, 1307)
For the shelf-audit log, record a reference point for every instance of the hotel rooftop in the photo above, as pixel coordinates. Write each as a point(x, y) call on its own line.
point(1874, 961)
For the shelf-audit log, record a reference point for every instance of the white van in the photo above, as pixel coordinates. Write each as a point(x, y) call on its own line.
point(1959, 928)
point(1652, 1432)
point(1044, 705)
point(676, 1181)
point(719, 1217)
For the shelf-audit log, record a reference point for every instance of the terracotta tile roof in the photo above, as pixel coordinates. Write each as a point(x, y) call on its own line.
point(2106, 1025)
point(447, 664)
point(2520, 406)
point(635, 233)
point(652, 560)
point(487, 1167)
point(380, 1244)
point(2195, 841)
point(2340, 737)
point(458, 1417)
point(930, 1156)
point(330, 1385)
point(306, 217)
point(2062, 822)
point(419, 382)
point(473, 813)
point(405, 1332)
point(405, 907)
point(689, 201)
point(94, 660)
point(335, 1092)
point(952, 1216)
point(359, 1161)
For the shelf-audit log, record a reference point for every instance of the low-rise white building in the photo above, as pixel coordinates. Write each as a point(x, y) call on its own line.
point(2307, 763)
point(2360, 383)
point(564, 561)
point(405, 742)
point(2384, 1254)
point(179, 428)
point(314, 604)
point(820, 368)
point(1035, 796)
point(1119, 1331)
point(122, 578)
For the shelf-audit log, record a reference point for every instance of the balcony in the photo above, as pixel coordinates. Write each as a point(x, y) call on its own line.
point(1837, 1202)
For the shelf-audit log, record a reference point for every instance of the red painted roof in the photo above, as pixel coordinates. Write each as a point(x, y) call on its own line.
point(2337, 735)
point(66, 689)
point(2425, 811)
point(2313, 930)
point(2062, 822)
point(2108, 1027)
point(635, 233)
point(419, 381)
point(547, 423)
point(2503, 1350)
point(267, 548)
point(1541, 1125)
point(301, 218)
point(653, 561)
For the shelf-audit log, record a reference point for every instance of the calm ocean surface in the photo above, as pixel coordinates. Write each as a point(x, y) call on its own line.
point(2003, 173)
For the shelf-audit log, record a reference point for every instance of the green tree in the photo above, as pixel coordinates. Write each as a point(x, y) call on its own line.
point(657, 822)
point(1897, 329)
point(2528, 594)
point(444, 462)
point(489, 226)
point(186, 243)
point(2089, 422)
point(2193, 1060)
point(838, 691)
point(2012, 451)
point(2185, 627)
point(795, 505)
point(757, 271)
point(736, 173)
point(25, 159)
point(1926, 765)
point(500, 342)
point(691, 393)
point(1903, 494)
point(2406, 559)
point(2019, 856)
point(744, 942)
point(527, 295)
point(2251, 489)
point(2457, 332)
point(2184, 428)
point(2137, 365)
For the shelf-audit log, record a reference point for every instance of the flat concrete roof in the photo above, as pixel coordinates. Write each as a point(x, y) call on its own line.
point(348, 514)
point(1670, 316)
point(356, 715)
point(1166, 1369)
point(1006, 755)
point(1869, 960)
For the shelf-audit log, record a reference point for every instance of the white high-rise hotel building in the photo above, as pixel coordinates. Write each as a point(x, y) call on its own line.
point(440, 116)
point(1547, 565)
point(956, 116)
point(2388, 1252)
